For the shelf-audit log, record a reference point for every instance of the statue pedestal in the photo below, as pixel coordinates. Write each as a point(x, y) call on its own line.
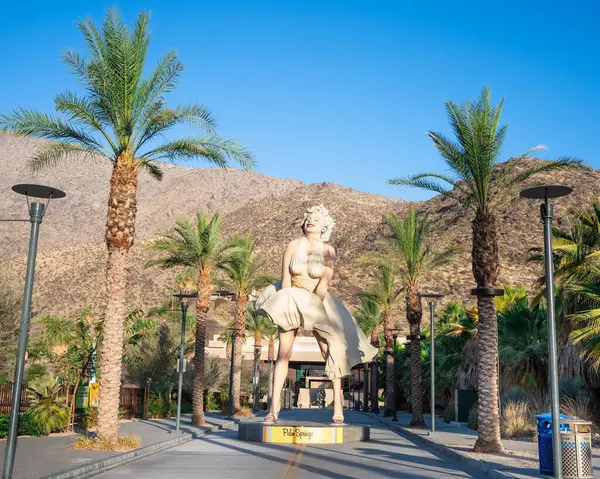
point(298, 432)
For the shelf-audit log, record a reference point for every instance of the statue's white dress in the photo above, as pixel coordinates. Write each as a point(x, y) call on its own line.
point(298, 307)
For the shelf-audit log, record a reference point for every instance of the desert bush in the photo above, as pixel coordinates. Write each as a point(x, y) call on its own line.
point(572, 388)
point(34, 372)
point(473, 420)
point(516, 420)
point(47, 407)
point(160, 405)
point(579, 407)
point(122, 443)
point(448, 413)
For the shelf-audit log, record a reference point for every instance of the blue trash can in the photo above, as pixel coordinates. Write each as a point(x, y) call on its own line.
point(544, 429)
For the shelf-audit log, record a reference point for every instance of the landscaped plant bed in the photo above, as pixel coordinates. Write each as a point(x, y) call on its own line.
point(518, 459)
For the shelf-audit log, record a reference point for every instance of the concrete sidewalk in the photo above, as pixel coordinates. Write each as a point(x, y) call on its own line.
point(42, 456)
point(521, 460)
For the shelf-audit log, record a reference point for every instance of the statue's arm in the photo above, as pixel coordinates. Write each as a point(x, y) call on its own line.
point(286, 277)
point(323, 285)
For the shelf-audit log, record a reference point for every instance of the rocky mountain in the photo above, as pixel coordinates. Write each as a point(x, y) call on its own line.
point(71, 257)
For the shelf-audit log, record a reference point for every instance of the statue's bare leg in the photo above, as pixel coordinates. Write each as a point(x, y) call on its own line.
point(286, 343)
point(338, 410)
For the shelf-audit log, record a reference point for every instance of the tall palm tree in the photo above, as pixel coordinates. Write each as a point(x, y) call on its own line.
point(475, 182)
point(410, 241)
point(386, 293)
point(259, 326)
point(199, 246)
point(121, 117)
point(369, 318)
point(242, 276)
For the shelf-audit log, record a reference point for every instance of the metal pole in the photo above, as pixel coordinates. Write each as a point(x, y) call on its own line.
point(184, 307)
point(547, 211)
point(365, 387)
point(230, 406)
point(270, 384)
point(374, 390)
point(432, 359)
point(255, 380)
point(395, 379)
point(36, 213)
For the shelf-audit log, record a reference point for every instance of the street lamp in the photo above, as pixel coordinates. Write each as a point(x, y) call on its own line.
point(545, 193)
point(431, 299)
point(395, 336)
point(36, 214)
point(183, 300)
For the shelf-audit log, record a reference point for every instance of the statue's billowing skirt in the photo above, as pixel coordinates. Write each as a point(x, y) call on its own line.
point(293, 308)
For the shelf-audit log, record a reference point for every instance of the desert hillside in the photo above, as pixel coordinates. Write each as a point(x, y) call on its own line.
point(71, 257)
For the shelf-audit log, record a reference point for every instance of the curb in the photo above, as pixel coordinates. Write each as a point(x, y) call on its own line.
point(98, 467)
point(476, 465)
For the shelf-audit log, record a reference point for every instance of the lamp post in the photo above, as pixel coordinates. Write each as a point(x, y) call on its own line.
point(546, 193)
point(395, 336)
point(431, 299)
point(183, 301)
point(36, 213)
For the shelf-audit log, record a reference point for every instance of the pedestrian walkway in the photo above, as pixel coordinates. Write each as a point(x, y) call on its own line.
point(521, 460)
point(41, 456)
point(386, 455)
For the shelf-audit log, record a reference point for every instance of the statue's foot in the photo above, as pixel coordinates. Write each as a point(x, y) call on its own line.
point(270, 419)
point(337, 420)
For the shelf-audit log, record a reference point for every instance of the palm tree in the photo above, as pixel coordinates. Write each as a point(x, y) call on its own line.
point(410, 240)
point(48, 408)
point(272, 335)
point(198, 246)
point(385, 292)
point(243, 277)
point(259, 326)
point(369, 318)
point(475, 182)
point(121, 117)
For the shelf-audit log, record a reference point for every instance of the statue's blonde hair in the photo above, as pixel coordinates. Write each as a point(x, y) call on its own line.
point(329, 221)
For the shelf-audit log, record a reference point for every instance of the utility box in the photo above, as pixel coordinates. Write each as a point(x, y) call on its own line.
point(464, 400)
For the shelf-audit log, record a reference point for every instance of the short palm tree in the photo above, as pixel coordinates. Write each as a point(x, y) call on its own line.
point(475, 182)
point(259, 326)
point(410, 246)
point(199, 246)
point(386, 293)
point(47, 407)
point(121, 117)
point(243, 276)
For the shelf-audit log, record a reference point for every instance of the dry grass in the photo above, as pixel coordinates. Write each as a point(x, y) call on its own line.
point(123, 443)
point(243, 411)
point(516, 420)
point(579, 407)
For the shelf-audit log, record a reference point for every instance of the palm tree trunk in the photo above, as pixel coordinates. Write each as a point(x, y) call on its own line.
point(271, 357)
point(120, 228)
point(485, 261)
point(414, 313)
point(255, 382)
point(202, 306)
point(240, 327)
point(390, 379)
point(375, 369)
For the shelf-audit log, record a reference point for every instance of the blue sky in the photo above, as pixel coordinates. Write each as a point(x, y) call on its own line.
point(344, 91)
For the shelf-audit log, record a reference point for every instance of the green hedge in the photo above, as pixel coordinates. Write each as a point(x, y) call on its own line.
point(28, 426)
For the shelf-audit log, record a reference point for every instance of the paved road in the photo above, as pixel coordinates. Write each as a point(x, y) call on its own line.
point(222, 455)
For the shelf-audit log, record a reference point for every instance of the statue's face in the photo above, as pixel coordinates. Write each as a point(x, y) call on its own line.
point(315, 223)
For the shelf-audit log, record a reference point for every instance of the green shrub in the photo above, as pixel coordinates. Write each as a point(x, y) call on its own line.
point(186, 408)
point(89, 418)
point(160, 406)
point(572, 388)
point(34, 372)
point(473, 420)
point(28, 425)
point(448, 413)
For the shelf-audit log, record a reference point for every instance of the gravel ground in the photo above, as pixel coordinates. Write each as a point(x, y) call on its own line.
point(521, 459)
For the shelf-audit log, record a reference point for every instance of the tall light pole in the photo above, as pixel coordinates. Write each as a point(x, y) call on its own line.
point(183, 301)
point(546, 193)
point(431, 299)
point(36, 214)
